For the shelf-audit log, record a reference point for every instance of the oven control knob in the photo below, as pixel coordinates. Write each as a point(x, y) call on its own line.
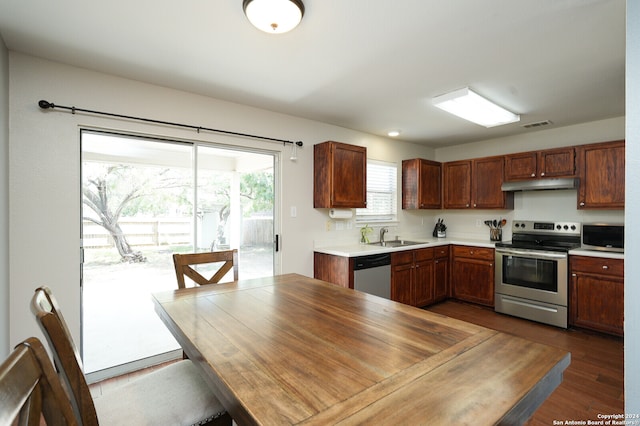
point(573, 227)
point(566, 227)
point(558, 227)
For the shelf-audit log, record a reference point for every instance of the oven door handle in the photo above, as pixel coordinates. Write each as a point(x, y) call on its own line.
point(531, 253)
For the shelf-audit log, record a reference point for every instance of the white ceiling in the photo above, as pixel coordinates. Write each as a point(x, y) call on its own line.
point(369, 65)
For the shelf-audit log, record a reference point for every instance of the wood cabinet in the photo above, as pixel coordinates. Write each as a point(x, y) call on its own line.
point(601, 168)
point(597, 294)
point(421, 184)
point(440, 273)
point(340, 175)
point(475, 184)
point(337, 270)
point(472, 274)
point(550, 163)
point(412, 277)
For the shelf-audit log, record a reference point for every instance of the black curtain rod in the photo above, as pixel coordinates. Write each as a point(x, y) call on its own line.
point(50, 105)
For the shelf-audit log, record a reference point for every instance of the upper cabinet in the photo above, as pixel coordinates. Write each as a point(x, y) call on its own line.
point(551, 163)
point(475, 184)
point(340, 175)
point(421, 184)
point(601, 169)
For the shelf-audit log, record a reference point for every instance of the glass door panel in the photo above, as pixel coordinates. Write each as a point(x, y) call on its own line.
point(141, 205)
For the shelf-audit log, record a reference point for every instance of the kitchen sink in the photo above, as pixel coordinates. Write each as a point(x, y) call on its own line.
point(395, 243)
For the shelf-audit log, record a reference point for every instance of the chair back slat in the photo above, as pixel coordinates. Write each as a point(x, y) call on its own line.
point(184, 266)
point(30, 388)
point(65, 354)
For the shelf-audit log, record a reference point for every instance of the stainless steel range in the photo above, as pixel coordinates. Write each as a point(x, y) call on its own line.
point(532, 274)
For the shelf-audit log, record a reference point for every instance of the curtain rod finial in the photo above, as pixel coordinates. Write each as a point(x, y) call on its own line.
point(46, 104)
point(299, 143)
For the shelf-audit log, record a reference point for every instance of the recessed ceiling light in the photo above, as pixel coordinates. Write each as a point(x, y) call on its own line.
point(469, 105)
point(394, 133)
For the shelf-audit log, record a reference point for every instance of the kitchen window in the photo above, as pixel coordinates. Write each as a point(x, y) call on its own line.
point(382, 203)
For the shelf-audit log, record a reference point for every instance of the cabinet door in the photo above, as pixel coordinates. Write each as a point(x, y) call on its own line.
point(430, 185)
point(601, 170)
point(597, 302)
point(339, 175)
point(521, 166)
point(441, 279)
point(421, 184)
point(349, 180)
point(488, 175)
point(401, 282)
point(423, 283)
point(554, 163)
point(473, 280)
point(457, 184)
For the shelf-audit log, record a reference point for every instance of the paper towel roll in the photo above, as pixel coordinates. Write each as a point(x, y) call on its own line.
point(340, 213)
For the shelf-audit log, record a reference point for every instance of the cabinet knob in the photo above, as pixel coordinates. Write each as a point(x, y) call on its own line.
point(542, 174)
point(573, 275)
point(582, 203)
point(467, 205)
point(533, 175)
point(470, 251)
point(605, 267)
point(475, 205)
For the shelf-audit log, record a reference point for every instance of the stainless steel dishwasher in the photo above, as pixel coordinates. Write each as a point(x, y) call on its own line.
point(372, 274)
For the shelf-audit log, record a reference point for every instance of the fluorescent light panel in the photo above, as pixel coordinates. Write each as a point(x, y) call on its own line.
point(467, 104)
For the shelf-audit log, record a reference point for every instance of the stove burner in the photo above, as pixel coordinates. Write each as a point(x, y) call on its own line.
point(543, 236)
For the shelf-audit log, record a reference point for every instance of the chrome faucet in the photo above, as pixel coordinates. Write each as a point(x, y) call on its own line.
point(382, 232)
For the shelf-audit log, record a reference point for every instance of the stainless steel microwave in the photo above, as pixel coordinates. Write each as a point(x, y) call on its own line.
point(603, 237)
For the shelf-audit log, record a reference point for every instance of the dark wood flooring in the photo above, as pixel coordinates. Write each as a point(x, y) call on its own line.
point(594, 382)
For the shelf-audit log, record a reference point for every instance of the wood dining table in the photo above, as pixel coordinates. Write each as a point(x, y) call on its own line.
point(290, 349)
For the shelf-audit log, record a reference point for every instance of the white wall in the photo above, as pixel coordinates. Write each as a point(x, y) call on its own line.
point(632, 220)
point(45, 170)
point(4, 200)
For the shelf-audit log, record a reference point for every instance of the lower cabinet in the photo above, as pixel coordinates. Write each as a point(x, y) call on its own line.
point(337, 270)
point(472, 274)
point(597, 294)
point(440, 273)
point(412, 277)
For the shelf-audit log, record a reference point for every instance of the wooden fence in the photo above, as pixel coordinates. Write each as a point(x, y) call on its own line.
point(170, 231)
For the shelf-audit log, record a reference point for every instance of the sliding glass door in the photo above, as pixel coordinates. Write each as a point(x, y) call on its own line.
point(143, 200)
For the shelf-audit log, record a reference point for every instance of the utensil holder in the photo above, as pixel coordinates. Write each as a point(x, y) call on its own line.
point(495, 234)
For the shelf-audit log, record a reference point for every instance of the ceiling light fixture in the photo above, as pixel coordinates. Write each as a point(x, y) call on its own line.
point(394, 133)
point(274, 16)
point(467, 104)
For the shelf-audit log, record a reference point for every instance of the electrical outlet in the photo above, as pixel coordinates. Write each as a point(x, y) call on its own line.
point(478, 223)
point(328, 225)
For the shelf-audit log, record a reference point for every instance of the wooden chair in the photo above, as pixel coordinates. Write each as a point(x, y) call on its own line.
point(183, 263)
point(30, 389)
point(176, 394)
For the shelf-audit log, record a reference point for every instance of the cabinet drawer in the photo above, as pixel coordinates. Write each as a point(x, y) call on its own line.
point(597, 265)
point(441, 252)
point(423, 254)
point(402, 257)
point(473, 252)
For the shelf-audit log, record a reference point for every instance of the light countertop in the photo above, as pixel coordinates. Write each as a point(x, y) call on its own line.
point(356, 249)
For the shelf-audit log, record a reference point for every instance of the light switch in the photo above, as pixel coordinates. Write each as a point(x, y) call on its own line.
point(294, 211)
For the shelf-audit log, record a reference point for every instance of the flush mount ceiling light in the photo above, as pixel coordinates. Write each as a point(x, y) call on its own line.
point(394, 133)
point(469, 105)
point(274, 16)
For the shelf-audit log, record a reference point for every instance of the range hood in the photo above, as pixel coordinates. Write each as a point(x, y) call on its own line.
point(540, 184)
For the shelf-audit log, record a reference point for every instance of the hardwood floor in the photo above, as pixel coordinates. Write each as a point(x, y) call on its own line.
point(594, 382)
